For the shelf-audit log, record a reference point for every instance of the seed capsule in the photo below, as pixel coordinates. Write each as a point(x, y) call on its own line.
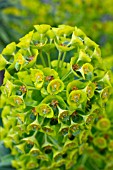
point(49, 78)
point(74, 88)
point(54, 103)
point(75, 67)
point(30, 58)
point(23, 89)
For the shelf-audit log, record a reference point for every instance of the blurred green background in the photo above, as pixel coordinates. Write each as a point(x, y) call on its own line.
point(94, 17)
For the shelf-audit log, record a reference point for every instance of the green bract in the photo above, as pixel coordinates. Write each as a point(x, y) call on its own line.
point(37, 77)
point(76, 97)
point(103, 124)
point(100, 142)
point(55, 87)
point(44, 110)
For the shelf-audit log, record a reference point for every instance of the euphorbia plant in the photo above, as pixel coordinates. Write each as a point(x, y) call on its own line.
point(54, 88)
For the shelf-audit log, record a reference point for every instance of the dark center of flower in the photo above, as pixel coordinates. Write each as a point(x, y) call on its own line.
point(64, 131)
point(86, 69)
point(18, 101)
point(105, 94)
point(45, 110)
point(39, 77)
point(74, 114)
point(75, 98)
point(48, 149)
point(56, 86)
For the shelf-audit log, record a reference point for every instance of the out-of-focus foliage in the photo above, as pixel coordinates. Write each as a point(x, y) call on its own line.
point(94, 17)
point(10, 21)
point(108, 61)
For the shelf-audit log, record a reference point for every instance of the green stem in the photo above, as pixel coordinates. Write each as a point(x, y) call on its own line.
point(29, 51)
point(55, 143)
point(63, 58)
point(93, 166)
point(84, 158)
point(59, 57)
point(45, 138)
point(42, 59)
point(42, 121)
point(51, 41)
point(35, 133)
point(49, 60)
point(66, 75)
point(41, 37)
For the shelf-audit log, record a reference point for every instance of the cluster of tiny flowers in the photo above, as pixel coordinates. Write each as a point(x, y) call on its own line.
point(55, 88)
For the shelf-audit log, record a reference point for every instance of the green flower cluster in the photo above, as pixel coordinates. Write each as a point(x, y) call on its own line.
point(99, 154)
point(55, 87)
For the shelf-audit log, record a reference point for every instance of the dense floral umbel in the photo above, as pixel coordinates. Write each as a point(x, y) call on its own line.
point(54, 86)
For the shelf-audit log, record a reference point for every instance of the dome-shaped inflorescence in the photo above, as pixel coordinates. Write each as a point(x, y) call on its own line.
point(54, 88)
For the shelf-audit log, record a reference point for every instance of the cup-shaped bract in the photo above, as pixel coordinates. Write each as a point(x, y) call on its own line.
point(103, 124)
point(76, 97)
point(45, 110)
point(55, 86)
point(100, 142)
point(37, 77)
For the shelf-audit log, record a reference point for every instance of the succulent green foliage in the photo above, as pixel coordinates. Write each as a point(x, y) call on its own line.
point(49, 105)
